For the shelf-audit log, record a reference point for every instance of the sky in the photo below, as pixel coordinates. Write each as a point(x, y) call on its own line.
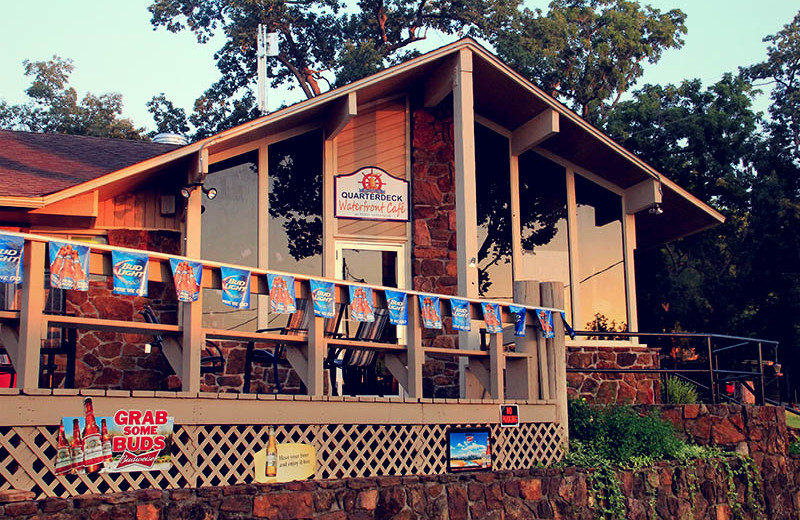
point(115, 49)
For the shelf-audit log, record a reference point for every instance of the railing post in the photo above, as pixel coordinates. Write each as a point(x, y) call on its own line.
point(415, 356)
point(761, 375)
point(193, 338)
point(30, 316)
point(316, 349)
point(552, 294)
point(522, 375)
point(711, 382)
point(496, 383)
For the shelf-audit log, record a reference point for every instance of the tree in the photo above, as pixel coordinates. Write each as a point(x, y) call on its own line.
point(54, 106)
point(588, 53)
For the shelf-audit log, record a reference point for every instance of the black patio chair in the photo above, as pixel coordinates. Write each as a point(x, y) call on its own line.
point(360, 361)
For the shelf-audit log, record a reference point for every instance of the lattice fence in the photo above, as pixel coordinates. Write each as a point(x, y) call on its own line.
point(223, 455)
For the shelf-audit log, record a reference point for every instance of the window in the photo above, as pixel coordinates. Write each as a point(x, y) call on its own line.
point(493, 208)
point(543, 221)
point(230, 234)
point(601, 270)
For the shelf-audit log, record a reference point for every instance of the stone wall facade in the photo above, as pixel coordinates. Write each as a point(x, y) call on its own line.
point(607, 388)
point(434, 265)
point(663, 492)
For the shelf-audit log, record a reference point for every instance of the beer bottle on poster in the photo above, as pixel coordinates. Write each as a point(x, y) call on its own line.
point(106, 441)
point(77, 448)
point(92, 441)
point(64, 453)
point(272, 454)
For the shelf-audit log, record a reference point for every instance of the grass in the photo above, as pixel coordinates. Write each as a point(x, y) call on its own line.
point(792, 420)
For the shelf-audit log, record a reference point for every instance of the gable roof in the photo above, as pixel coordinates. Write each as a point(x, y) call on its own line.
point(34, 164)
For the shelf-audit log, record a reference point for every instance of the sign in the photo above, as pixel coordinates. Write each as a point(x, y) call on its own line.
point(11, 259)
point(296, 461)
point(509, 415)
point(372, 194)
point(468, 449)
point(130, 272)
point(69, 266)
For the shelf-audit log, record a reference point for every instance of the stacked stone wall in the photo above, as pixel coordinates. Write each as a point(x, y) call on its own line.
point(607, 388)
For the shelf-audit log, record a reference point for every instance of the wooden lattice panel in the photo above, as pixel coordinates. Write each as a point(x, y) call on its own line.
point(206, 455)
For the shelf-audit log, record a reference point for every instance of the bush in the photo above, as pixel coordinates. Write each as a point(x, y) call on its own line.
point(622, 435)
point(680, 391)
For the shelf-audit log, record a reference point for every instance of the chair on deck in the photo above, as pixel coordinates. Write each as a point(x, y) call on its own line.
point(361, 361)
point(211, 360)
point(298, 325)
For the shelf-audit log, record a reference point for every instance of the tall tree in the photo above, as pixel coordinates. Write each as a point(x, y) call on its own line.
point(54, 106)
point(588, 53)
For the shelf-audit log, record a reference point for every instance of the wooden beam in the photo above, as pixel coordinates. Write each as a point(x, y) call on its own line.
point(543, 126)
point(496, 382)
point(83, 205)
point(477, 368)
point(30, 316)
point(172, 350)
point(296, 357)
point(414, 353)
point(397, 367)
point(440, 83)
point(123, 326)
point(344, 109)
point(642, 196)
point(316, 355)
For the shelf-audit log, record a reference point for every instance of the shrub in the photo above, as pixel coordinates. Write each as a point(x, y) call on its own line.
point(680, 391)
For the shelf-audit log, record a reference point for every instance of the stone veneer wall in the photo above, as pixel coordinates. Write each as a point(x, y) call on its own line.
point(434, 265)
point(613, 388)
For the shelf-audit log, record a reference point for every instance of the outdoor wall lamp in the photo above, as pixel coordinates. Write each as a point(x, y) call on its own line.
point(472, 262)
point(655, 209)
point(186, 191)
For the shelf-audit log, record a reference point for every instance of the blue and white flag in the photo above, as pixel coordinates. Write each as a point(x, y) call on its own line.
point(323, 297)
point(431, 311)
point(546, 322)
point(11, 259)
point(567, 328)
point(397, 302)
point(362, 306)
point(69, 266)
point(235, 287)
point(281, 293)
point(461, 316)
point(491, 315)
point(188, 278)
point(519, 319)
point(130, 272)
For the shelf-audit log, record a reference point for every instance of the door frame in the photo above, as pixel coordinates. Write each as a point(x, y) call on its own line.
point(397, 247)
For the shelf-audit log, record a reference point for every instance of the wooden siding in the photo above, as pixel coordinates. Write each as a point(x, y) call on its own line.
point(137, 210)
point(374, 138)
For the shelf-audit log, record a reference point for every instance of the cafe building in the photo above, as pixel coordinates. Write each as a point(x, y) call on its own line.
point(448, 175)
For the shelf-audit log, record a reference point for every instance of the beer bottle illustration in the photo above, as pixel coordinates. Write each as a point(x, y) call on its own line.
point(76, 264)
point(56, 266)
point(77, 448)
point(272, 454)
point(64, 453)
point(106, 442)
point(92, 441)
point(67, 273)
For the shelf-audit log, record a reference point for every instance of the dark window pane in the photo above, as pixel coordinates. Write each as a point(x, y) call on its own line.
point(230, 234)
point(543, 221)
point(601, 277)
point(493, 198)
point(295, 204)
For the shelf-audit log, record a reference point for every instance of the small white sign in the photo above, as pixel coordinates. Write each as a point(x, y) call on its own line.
point(372, 194)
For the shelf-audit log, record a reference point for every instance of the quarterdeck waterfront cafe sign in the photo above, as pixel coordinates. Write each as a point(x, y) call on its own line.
point(372, 194)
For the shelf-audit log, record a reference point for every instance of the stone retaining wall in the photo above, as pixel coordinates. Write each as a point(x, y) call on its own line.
point(613, 387)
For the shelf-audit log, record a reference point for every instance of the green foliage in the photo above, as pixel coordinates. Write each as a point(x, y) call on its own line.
point(679, 391)
point(54, 106)
point(794, 448)
point(589, 52)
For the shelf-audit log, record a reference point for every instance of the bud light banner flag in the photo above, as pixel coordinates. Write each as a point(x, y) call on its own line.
point(546, 322)
point(281, 293)
point(431, 311)
point(130, 272)
point(322, 295)
point(11, 259)
point(235, 287)
point(362, 307)
point(567, 326)
point(460, 312)
point(69, 266)
point(519, 319)
point(188, 277)
point(397, 302)
point(130, 440)
point(491, 315)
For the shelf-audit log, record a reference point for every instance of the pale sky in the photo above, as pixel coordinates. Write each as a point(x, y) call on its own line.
point(115, 49)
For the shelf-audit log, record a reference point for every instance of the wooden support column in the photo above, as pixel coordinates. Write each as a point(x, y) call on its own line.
point(522, 374)
point(31, 325)
point(316, 351)
point(193, 338)
point(552, 294)
point(496, 383)
point(415, 356)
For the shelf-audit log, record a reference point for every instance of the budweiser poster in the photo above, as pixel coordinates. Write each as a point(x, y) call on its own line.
point(371, 193)
point(130, 440)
